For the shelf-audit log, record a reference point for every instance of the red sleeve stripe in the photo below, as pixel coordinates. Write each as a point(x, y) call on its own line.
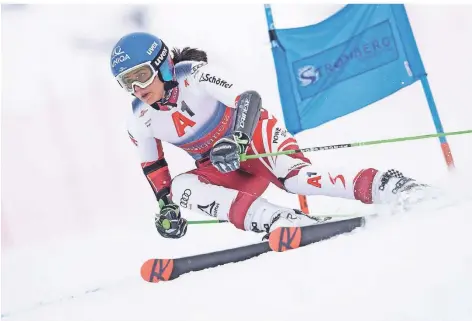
point(159, 179)
point(288, 142)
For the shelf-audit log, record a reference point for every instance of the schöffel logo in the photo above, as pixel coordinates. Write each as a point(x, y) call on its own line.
point(308, 75)
point(214, 80)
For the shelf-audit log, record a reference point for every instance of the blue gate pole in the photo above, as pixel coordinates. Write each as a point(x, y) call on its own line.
point(431, 103)
point(437, 122)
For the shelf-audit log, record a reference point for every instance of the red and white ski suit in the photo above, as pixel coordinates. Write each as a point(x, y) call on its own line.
point(201, 110)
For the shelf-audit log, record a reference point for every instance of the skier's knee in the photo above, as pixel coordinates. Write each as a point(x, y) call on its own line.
point(293, 173)
point(239, 209)
point(192, 193)
point(181, 188)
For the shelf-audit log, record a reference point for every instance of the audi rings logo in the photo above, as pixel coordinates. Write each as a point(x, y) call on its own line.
point(185, 197)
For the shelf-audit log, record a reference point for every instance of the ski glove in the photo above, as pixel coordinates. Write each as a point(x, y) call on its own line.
point(225, 153)
point(169, 222)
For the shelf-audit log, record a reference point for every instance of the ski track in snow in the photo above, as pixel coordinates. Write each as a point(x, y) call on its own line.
point(411, 266)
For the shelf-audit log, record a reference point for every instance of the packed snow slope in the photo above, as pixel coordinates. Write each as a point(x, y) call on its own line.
point(77, 213)
point(413, 266)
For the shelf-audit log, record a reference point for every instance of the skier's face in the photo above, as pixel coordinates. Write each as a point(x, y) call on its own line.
point(152, 93)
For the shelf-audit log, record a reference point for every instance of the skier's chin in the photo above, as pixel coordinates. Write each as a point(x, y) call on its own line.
point(149, 98)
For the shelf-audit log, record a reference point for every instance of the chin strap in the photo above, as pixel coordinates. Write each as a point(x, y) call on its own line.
point(169, 87)
point(156, 106)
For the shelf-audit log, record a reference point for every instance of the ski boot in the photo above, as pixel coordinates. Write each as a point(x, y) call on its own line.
point(395, 189)
point(264, 217)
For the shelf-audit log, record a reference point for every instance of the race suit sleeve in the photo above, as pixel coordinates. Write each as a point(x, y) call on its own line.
point(151, 155)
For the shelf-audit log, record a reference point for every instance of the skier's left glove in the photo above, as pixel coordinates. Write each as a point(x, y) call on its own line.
point(225, 153)
point(169, 222)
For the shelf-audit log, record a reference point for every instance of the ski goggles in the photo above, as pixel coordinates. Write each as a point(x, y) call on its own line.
point(141, 75)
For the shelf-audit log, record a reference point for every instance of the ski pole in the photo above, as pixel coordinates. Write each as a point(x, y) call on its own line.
point(207, 221)
point(317, 215)
point(244, 157)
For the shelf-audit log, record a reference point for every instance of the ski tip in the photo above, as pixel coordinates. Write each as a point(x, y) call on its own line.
point(285, 238)
point(155, 270)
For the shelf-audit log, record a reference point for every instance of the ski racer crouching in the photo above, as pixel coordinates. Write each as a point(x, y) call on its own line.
point(184, 100)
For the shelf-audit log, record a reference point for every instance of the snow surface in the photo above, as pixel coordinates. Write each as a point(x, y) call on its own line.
point(77, 213)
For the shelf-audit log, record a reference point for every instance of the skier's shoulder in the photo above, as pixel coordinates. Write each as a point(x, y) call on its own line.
point(136, 105)
point(185, 69)
point(188, 62)
point(136, 121)
point(133, 114)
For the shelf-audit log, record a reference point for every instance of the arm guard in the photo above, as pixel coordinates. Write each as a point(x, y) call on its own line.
point(158, 176)
point(248, 111)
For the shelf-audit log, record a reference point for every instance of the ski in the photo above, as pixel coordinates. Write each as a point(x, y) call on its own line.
point(288, 238)
point(280, 240)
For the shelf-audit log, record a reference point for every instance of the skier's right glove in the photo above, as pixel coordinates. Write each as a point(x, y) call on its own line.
point(169, 222)
point(226, 152)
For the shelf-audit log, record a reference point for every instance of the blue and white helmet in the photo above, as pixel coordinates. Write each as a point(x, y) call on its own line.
point(138, 58)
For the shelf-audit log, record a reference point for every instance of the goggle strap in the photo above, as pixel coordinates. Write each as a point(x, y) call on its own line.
point(160, 76)
point(157, 64)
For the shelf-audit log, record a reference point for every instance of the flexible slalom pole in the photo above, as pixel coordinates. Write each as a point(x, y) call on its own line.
point(244, 157)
